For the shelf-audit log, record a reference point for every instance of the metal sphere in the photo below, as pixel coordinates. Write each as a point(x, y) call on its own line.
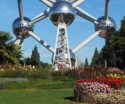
point(21, 28)
point(62, 11)
point(105, 26)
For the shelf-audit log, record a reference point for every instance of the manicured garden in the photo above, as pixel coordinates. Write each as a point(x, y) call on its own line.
point(87, 85)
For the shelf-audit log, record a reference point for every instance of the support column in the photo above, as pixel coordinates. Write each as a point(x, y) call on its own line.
point(61, 58)
point(19, 42)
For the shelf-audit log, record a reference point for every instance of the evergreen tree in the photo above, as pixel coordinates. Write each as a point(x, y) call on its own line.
point(86, 62)
point(9, 52)
point(119, 46)
point(35, 57)
point(95, 58)
point(26, 61)
point(114, 49)
point(122, 28)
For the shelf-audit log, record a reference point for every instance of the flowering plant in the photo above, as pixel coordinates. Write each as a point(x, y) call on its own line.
point(112, 82)
point(91, 87)
point(114, 70)
point(117, 97)
point(115, 76)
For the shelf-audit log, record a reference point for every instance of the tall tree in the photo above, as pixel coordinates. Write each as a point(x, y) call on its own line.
point(86, 62)
point(114, 49)
point(119, 46)
point(35, 57)
point(95, 58)
point(122, 28)
point(9, 52)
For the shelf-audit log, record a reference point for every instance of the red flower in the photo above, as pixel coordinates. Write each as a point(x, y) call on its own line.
point(113, 82)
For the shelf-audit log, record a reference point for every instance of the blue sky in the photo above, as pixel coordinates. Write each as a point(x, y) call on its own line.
point(78, 31)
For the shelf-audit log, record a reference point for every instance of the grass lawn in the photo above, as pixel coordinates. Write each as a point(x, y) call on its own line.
point(33, 96)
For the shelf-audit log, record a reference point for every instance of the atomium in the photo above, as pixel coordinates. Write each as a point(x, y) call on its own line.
point(62, 11)
point(21, 27)
point(62, 14)
point(105, 26)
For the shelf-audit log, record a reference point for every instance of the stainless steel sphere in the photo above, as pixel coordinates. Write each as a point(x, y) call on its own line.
point(21, 28)
point(62, 11)
point(105, 26)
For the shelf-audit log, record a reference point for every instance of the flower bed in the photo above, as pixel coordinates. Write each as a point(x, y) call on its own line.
point(112, 82)
point(85, 87)
point(91, 87)
point(114, 70)
point(98, 81)
point(115, 73)
point(117, 97)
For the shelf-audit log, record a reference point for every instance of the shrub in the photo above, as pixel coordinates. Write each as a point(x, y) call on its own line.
point(67, 74)
point(14, 74)
point(93, 72)
point(12, 80)
point(43, 74)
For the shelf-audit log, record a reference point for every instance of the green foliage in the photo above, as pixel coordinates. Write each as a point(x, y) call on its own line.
point(12, 80)
point(86, 62)
point(97, 59)
point(115, 47)
point(35, 57)
point(35, 83)
point(9, 52)
point(46, 65)
point(68, 75)
point(26, 61)
point(24, 72)
point(122, 28)
point(14, 74)
point(42, 74)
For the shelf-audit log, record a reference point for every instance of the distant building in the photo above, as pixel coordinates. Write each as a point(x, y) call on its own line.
point(78, 63)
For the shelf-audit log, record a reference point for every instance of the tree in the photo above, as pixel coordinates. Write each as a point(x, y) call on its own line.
point(9, 52)
point(26, 61)
point(114, 49)
point(122, 28)
point(46, 65)
point(86, 62)
point(35, 57)
point(95, 58)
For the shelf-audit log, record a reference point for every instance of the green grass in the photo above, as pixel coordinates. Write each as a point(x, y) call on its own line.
point(33, 96)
